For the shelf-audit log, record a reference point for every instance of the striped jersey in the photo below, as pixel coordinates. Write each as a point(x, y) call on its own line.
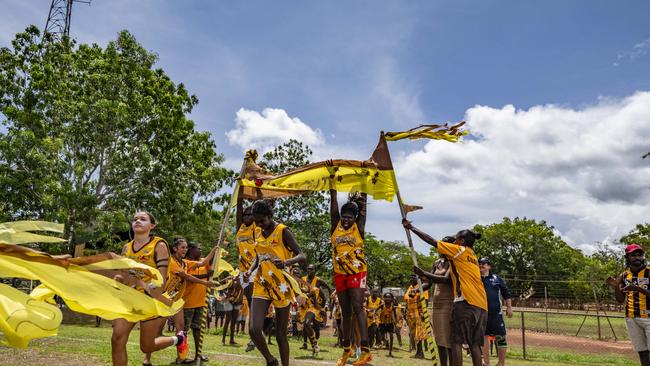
point(636, 303)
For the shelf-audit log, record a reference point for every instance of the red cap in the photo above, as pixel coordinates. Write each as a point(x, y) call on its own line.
point(633, 248)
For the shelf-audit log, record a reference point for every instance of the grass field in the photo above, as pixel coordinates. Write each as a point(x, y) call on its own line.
point(86, 345)
point(569, 324)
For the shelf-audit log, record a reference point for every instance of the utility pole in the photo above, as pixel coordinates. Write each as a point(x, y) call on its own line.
point(58, 19)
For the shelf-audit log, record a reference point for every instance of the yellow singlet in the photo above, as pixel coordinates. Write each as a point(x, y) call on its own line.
point(314, 302)
point(145, 255)
point(246, 245)
point(270, 282)
point(348, 256)
point(372, 307)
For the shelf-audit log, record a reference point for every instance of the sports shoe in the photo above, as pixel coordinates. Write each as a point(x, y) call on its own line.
point(250, 346)
point(343, 359)
point(365, 358)
point(182, 347)
point(316, 350)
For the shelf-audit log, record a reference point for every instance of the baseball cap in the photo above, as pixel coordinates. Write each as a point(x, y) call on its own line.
point(484, 261)
point(633, 248)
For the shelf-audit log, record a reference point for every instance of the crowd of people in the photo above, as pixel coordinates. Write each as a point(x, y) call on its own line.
point(268, 293)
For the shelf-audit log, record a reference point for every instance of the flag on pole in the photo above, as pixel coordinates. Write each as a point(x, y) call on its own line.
point(451, 133)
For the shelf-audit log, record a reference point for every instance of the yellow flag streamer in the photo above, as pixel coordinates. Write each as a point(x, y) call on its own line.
point(23, 318)
point(18, 232)
point(451, 133)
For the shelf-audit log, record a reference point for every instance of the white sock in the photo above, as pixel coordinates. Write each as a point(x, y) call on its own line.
point(176, 340)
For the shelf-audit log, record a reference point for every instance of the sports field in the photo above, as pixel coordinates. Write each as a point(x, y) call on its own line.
point(87, 345)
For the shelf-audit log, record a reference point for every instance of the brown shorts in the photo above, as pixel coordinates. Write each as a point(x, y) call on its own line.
point(468, 324)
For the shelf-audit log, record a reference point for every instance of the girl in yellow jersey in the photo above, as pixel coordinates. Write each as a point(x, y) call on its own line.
point(374, 305)
point(152, 251)
point(276, 249)
point(387, 320)
point(350, 268)
point(245, 237)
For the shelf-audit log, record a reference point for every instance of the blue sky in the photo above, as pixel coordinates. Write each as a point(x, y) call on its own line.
point(336, 73)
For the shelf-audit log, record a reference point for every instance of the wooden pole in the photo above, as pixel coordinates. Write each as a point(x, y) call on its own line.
point(217, 258)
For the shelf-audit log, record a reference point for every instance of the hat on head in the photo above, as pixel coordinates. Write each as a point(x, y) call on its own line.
point(633, 248)
point(484, 261)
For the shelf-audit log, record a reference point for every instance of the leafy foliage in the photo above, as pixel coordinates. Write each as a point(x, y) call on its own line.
point(93, 134)
point(639, 235)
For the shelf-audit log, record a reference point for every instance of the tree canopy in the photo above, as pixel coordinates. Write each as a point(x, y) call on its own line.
point(93, 134)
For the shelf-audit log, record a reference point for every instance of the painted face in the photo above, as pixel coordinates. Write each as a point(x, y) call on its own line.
point(347, 220)
point(247, 218)
point(311, 270)
point(263, 221)
point(141, 223)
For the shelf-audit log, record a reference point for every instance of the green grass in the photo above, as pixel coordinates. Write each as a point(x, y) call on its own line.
point(569, 324)
point(82, 345)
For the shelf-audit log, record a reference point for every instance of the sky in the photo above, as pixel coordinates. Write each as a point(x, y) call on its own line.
point(556, 95)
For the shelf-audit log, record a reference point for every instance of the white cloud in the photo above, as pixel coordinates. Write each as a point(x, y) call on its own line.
point(580, 170)
point(272, 127)
point(638, 50)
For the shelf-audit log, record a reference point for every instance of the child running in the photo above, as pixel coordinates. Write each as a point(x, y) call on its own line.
point(388, 319)
point(350, 270)
point(276, 250)
point(374, 305)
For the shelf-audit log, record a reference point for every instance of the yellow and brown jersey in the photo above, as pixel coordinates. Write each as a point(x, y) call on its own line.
point(636, 303)
point(175, 285)
point(272, 283)
point(145, 255)
point(373, 309)
point(388, 315)
point(348, 256)
point(246, 245)
point(412, 300)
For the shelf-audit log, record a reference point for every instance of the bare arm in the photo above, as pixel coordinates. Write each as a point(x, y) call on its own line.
point(290, 241)
point(432, 277)
point(616, 284)
point(361, 218)
point(192, 279)
point(161, 256)
point(207, 259)
point(321, 283)
point(422, 235)
point(334, 211)
point(239, 218)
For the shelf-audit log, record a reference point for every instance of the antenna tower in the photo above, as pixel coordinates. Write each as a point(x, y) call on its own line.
point(58, 20)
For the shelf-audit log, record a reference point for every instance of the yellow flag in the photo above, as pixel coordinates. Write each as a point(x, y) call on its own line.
point(23, 318)
point(435, 132)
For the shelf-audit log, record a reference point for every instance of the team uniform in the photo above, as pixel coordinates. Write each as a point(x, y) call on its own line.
point(145, 255)
point(246, 247)
point(469, 310)
point(495, 288)
point(348, 258)
point(314, 303)
point(270, 282)
point(194, 297)
point(414, 312)
point(637, 309)
point(373, 310)
point(388, 318)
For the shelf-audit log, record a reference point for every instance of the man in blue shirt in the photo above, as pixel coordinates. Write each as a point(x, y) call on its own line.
point(495, 289)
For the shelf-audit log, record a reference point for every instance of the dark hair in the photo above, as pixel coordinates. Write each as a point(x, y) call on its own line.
point(249, 209)
point(192, 245)
point(448, 239)
point(389, 293)
point(350, 207)
point(262, 207)
point(176, 242)
point(468, 236)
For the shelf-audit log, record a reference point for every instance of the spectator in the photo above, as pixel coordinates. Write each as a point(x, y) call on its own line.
point(495, 289)
point(631, 286)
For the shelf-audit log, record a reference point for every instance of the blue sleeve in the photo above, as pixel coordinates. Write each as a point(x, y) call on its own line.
point(505, 292)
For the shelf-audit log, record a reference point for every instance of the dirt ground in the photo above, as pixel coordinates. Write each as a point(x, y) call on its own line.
point(573, 344)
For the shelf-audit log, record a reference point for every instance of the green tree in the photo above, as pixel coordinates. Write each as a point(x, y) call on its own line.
point(639, 235)
point(93, 134)
point(530, 255)
point(604, 262)
point(307, 214)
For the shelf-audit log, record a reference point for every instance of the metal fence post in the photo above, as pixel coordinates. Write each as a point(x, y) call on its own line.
point(523, 334)
point(597, 312)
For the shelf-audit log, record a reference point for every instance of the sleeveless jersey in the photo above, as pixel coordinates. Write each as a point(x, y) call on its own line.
point(270, 282)
point(636, 303)
point(387, 315)
point(145, 255)
point(246, 245)
point(348, 256)
point(373, 308)
point(175, 285)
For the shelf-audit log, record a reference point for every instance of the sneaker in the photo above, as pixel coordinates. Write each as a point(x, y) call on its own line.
point(315, 351)
point(182, 347)
point(343, 359)
point(250, 346)
point(364, 359)
point(273, 362)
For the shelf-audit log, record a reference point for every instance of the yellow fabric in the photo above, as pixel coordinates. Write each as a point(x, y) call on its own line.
point(465, 274)
point(373, 308)
point(388, 314)
point(83, 290)
point(271, 283)
point(435, 132)
point(194, 295)
point(348, 256)
point(246, 245)
point(350, 176)
point(175, 285)
point(414, 311)
point(23, 318)
point(146, 254)
point(17, 232)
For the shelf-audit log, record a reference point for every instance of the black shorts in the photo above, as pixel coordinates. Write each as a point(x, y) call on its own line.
point(387, 328)
point(468, 324)
point(193, 318)
point(495, 325)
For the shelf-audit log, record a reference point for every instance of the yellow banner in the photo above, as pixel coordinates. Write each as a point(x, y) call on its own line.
point(451, 133)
